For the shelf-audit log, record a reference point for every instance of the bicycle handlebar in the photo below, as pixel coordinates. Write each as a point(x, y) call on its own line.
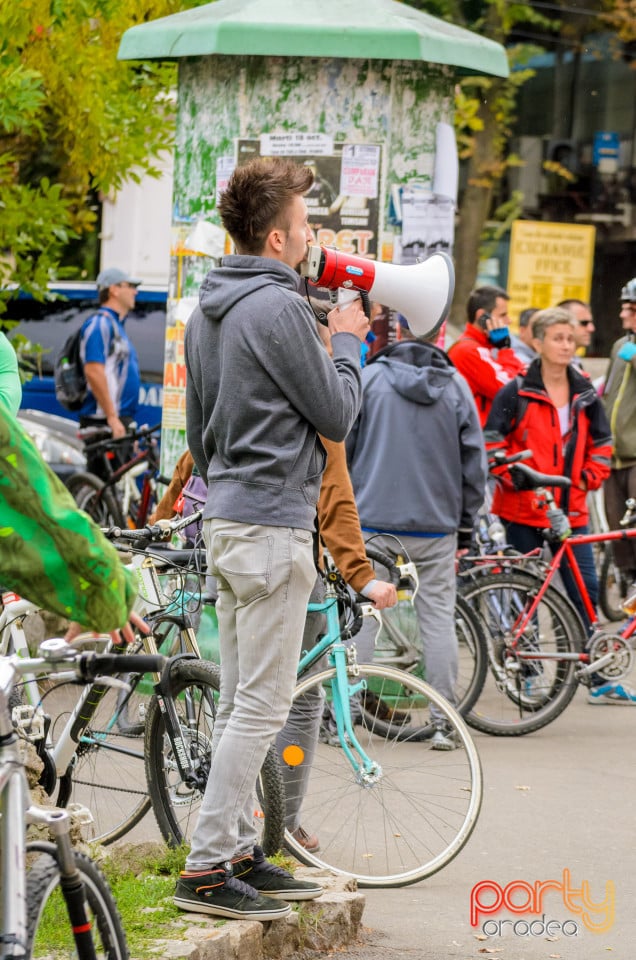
point(161, 530)
point(58, 656)
point(94, 438)
point(381, 558)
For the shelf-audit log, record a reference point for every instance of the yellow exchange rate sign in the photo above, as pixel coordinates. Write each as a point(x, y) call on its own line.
point(549, 262)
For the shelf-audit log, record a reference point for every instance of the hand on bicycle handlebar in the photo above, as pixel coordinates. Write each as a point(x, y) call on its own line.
point(559, 523)
point(125, 634)
point(382, 595)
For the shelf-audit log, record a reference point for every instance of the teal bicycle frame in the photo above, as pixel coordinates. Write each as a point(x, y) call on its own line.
point(345, 662)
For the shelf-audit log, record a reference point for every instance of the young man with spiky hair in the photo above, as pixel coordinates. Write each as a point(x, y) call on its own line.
point(260, 388)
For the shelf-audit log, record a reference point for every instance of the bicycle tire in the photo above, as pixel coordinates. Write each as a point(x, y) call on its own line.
point(96, 499)
point(107, 773)
point(175, 804)
point(473, 656)
point(520, 697)
point(416, 816)
point(472, 661)
point(472, 665)
point(44, 899)
point(612, 586)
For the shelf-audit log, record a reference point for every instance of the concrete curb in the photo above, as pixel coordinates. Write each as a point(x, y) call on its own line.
point(321, 925)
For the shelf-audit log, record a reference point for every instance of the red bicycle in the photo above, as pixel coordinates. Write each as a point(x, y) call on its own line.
point(539, 650)
point(127, 494)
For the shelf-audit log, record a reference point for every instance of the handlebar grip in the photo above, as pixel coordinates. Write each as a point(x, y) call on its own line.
point(92, 665)
point(381, 558)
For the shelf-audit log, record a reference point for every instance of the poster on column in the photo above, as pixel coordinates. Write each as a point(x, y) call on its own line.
point(343, 203)
point(549, 262)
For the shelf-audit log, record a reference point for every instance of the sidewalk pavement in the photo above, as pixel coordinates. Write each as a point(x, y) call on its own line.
point(560, 799)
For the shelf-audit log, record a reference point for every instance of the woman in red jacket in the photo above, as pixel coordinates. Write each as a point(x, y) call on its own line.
point(554, 411)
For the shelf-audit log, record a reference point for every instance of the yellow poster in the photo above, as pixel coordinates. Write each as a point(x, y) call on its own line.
point(549, 262)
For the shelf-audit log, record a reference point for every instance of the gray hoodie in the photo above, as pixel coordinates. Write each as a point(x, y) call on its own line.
point(416, 453)
point(260, 387)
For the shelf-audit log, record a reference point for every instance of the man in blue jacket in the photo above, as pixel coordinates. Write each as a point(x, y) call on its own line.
point(260, 388)
point(418, 466)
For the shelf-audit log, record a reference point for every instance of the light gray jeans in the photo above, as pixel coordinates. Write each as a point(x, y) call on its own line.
point(434, 558)
point(264, 579)
point(303, 724)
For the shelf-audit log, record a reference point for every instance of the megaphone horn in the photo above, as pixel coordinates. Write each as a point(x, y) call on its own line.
point(421, 292)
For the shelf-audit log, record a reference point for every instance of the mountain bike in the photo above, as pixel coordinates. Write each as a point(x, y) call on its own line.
point(539, 648)
point(128, 494)
point(60, 881)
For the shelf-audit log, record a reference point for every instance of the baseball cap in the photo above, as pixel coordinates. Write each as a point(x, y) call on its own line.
point(112, 276)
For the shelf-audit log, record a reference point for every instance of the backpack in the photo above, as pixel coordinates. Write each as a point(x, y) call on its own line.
point(191, 499)
point(70, 382)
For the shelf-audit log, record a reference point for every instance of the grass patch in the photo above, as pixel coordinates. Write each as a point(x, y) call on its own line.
point(143, 887)
point(143, 894)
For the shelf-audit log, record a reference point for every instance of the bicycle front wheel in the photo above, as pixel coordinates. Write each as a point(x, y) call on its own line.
point(96, 499)
point(107, 774)
point(194, 686)
point(47, 937)
point(411, 809)
point(523, 694)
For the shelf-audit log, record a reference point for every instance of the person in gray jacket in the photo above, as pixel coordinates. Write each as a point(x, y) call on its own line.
point(418, 466)
point(259, 388)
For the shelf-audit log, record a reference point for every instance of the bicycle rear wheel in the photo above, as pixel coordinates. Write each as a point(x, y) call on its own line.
point(96, 499)
point(519, 695)
point(612, 586)
point(194, 686)
point(414, 813)
point(46, 904)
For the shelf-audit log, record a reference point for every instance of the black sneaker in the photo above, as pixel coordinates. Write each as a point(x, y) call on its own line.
point(266, 877)
point(219, 893)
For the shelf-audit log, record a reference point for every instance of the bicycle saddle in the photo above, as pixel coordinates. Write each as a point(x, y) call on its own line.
point(525, 478)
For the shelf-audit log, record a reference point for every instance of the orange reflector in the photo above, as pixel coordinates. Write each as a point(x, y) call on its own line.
point(293, 755)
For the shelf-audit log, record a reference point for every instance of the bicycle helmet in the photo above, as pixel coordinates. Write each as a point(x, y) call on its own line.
point(628, 293)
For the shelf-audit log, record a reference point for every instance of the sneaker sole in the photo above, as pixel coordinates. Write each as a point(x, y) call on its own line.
point(196, 907)
point(613, 703)
point(292, 894)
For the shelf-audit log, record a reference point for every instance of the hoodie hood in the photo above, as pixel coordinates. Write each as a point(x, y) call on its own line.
point(420, 372)
point(239, 277)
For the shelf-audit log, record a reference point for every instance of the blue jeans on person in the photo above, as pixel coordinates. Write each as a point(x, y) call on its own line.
point(525, 538)
point(264, 578)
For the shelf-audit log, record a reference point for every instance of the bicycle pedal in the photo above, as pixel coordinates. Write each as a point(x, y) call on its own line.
point(29, 722)
point(80, 814)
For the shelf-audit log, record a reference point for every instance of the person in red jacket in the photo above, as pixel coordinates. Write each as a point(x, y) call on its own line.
point(483, 354)
point(554, 411)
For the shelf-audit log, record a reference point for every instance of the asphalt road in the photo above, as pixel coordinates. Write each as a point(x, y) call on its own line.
point(561, 799)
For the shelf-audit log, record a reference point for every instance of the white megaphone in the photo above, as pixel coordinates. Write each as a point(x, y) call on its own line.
point(421, 292)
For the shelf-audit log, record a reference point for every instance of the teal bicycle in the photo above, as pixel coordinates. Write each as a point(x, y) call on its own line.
point(388, 809)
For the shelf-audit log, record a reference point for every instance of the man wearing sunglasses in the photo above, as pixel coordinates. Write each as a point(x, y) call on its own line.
point(584, 324)
point(619, 399)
